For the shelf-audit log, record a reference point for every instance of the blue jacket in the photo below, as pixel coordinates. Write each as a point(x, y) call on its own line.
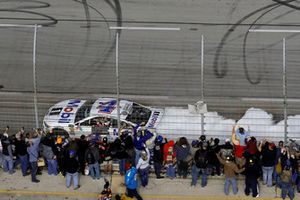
point(139, 142)
point(131, 178)
point(33, 150)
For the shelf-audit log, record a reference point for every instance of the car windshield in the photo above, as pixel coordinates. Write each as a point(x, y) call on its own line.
point(84, 110)
point(139, 114)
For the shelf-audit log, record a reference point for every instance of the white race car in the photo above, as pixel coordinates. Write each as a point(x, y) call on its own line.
point(76, 117)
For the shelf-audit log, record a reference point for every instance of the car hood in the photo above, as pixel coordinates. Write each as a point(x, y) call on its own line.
point(63, 112)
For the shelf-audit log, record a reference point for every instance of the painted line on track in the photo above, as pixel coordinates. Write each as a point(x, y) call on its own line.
point(38, 193)
point(79, 194)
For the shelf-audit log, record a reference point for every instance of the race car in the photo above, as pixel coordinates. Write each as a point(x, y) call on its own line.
point(75, 117)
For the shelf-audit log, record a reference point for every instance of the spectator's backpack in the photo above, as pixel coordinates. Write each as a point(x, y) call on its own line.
point(90, 157)
point(201, 160)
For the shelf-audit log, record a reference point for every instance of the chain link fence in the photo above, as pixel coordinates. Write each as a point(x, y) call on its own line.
point(242, 78)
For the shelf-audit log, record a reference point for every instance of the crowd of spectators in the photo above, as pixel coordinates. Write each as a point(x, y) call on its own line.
point(139, 150)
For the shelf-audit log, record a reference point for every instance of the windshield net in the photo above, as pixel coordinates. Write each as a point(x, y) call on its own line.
point(139, 114)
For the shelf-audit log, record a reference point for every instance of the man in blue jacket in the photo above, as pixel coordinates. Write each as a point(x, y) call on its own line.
point(131, 183)
point(140, 136)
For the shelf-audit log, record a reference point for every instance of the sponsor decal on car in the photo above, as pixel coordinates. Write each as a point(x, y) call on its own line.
point(153, 119)
point(107, 107)
point(68, 111)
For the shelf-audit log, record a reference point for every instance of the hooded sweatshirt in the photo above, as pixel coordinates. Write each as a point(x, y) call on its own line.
point(131, 178)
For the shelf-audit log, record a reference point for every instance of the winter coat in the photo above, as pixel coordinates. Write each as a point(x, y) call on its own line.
point(143, 164)
point(140, 142)
point(33, 149)
point(158, 152)
point(21, 147)
point(7, 147)
point(71, 165)
point(182, 152)
point(48, 147)
point(95, 151)
point(268, 157)
point(131, 178)
point(230, 168)
point(166, 148)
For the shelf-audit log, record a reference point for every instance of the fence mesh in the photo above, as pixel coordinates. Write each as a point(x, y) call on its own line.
point(158, 69)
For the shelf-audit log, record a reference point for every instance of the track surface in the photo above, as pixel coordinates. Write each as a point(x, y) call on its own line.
point(75, 54)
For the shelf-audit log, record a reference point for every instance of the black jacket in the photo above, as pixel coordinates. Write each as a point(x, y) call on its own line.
point(21, 147)
point(71, 165)
point(158, 152)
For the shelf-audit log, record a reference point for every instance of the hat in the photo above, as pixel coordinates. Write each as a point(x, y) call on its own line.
point(227, 140)
point(5, 135)
point(72, 153)
point(159, 138)
point(195, 143)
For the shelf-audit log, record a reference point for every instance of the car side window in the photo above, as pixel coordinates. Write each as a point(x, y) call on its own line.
point(114, 123)
point(85, 123)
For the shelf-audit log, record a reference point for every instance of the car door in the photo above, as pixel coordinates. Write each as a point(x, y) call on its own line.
point(83, 127)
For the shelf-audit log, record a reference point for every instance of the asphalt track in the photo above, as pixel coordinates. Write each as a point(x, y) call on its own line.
point(19, 194)
point(16, 187)
point(75, 54)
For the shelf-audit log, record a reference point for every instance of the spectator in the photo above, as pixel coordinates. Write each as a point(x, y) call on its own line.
point(297, 171)
point(21, 152)
point(82, 147)
point(105, 155)
point(158, 156)
point(140, 137)
point(251, 146)
point(127, 141)
point(226, 149)
point(230, 168)
point(182, 149)
point(239, 139)
point(200, 165)
point(278, 165)
point(213, 160)
point(268, 153)
point(92, 157)
point(33, 150)
point(131, 183)
point(72, 166)
point(170, 159)
point(143, 166)
point(8, 157)
point(287, 183)
point(1, 146)
point(252, 173)
point(118, 152)
point(50, 154)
